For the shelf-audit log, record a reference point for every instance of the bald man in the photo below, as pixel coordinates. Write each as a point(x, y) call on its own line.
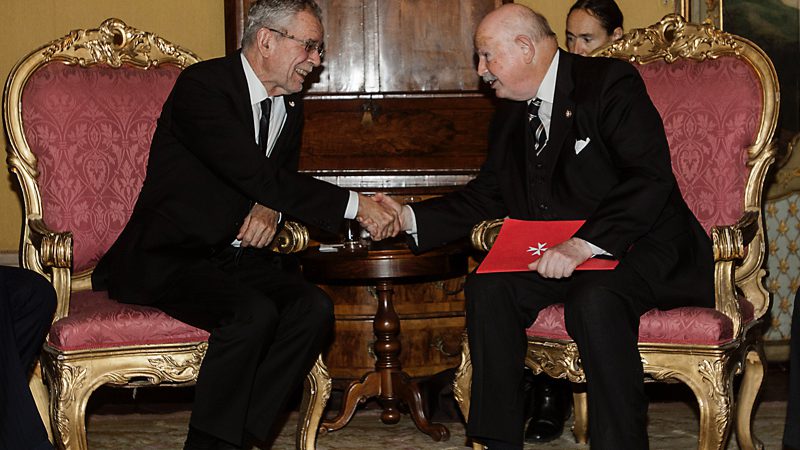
point(574, 138)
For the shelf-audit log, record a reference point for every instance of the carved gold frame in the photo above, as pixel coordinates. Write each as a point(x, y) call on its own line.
point(739, 253)
point(702, 11)
point(73, 375)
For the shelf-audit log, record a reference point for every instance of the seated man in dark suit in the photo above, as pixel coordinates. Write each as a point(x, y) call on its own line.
point(591, 24)
point(27, 303)
point(575, 138)
point(222, 170)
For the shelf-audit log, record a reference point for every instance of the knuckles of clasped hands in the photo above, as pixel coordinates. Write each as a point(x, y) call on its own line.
point(381, 218)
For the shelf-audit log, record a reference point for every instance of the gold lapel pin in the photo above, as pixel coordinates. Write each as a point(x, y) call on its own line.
point(568, 114)
point(291, 103)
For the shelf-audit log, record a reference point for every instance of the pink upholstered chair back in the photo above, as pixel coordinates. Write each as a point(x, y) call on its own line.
point(712, 112)
point(90, 129)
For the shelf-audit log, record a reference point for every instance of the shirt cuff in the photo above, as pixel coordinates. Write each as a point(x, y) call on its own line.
point(597, 251)
point(352, 206)
point(411, 223)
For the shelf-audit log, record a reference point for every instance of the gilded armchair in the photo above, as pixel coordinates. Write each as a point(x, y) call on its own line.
point(80, 114)
point(717, 94)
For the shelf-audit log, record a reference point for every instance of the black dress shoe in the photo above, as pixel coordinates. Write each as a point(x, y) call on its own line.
point(551, 409)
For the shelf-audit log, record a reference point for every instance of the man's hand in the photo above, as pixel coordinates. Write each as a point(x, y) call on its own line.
point(259, 227)
point(402, 212)
point(561, 260)
point(381, 221)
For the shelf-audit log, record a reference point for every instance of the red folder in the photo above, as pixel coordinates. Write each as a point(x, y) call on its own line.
point(521, 242)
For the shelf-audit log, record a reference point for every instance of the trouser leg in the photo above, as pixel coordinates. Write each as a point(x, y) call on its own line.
point(499, 308)
point(27, 303)
point(251, 305)
point(602, 316)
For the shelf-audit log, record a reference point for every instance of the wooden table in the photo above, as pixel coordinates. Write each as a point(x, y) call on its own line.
point(383, 264)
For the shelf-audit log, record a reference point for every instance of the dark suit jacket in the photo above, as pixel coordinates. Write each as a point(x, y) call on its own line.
point(621, 183)
point(203, 173)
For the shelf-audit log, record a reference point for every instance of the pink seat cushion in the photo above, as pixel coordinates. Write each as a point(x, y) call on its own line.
point(96, 322)
point(687, 325)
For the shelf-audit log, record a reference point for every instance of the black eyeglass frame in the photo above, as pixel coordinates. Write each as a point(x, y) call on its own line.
point(308, 44)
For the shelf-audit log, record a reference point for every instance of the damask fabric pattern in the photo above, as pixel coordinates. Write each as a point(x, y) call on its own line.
point(783, 263)
point(704, 122)
point(687, 325)
point(92, 140)
point(95, 321)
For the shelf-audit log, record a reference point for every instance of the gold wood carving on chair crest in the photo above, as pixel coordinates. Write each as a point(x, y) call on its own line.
point(674, 38)
point(115, 43)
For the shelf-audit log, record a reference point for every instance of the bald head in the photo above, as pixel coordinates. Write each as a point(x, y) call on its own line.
point(515, 46)
point(512, 19)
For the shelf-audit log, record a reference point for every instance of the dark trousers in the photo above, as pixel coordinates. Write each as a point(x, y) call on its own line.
point(267, 327)
point(602, 310)
point(27, 303)
point(791, 431)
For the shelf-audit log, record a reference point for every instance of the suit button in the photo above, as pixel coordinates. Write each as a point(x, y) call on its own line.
point(539, 165)
point(543, 206)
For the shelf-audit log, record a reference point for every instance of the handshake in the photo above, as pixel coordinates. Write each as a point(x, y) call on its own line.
point(382, 216)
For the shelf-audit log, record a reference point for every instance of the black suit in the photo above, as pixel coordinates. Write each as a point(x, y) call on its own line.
point(204, 172)
point(27, 303)
point(622, 184)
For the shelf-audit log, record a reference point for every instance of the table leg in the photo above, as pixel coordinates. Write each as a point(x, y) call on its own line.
point(396, 386)
point(357, 392)
point(388, 382)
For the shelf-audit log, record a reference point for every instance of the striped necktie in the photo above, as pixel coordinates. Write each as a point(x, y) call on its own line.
point(537, 127)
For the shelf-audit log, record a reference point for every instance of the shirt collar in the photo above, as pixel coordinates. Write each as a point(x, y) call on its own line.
point(258, 92)
point(547, 89)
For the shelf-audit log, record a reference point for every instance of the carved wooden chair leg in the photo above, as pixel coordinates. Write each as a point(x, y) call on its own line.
point(315, 396)
point(41, 397)
point(748, 390)
point(68, 400)
point(712, 385)
point(580, 428)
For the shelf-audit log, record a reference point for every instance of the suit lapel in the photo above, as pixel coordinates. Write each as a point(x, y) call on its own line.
point(292, 122)
point(563, 105)
point(242, 93)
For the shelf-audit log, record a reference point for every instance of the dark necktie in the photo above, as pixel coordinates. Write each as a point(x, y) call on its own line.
point(537, 127)
point(263, 128)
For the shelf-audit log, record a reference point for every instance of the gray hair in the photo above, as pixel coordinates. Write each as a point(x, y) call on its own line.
point(275, 14)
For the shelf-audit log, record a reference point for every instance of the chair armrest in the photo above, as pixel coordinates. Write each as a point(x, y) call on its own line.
point(52, 250)
point(293, 237)
point(484, 234)
point(731, 241)
point(730, 248)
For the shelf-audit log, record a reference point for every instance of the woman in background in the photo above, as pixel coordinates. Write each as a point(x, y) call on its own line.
point(592, 24)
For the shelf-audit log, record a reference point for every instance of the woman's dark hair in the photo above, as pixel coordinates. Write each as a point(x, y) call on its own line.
point(605, 11)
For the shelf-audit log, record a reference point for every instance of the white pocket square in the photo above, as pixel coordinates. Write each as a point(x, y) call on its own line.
point(581, 144)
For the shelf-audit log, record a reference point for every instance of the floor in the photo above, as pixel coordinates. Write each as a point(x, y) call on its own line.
point(157, 420)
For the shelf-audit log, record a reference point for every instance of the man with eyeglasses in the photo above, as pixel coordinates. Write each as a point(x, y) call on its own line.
point(221, 173)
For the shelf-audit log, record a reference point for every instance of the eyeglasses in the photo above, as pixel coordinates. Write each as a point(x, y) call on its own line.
point(308, 44)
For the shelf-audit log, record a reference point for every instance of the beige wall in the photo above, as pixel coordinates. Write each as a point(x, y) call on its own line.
point(29, 24)
point(637, 13)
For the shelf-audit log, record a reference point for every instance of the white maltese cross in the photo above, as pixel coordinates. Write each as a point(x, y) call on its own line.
point(539, 249)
